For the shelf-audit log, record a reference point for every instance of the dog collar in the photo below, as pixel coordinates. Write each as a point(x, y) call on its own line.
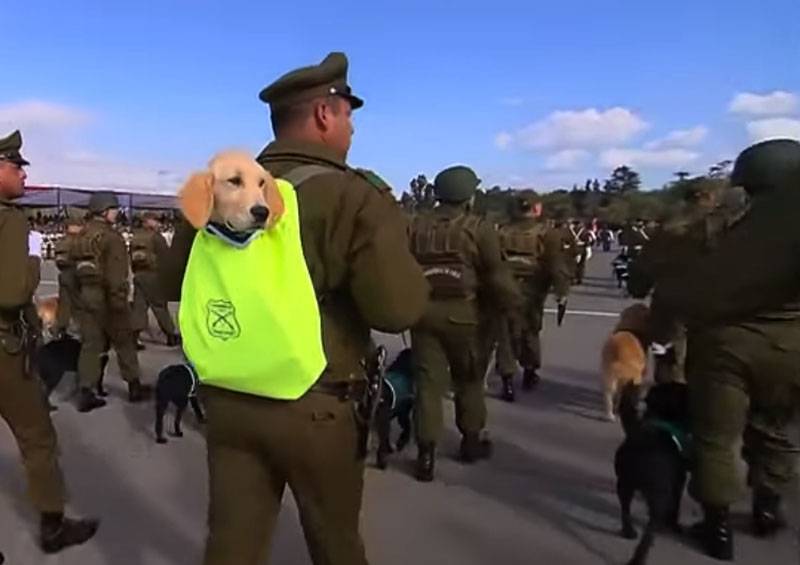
point(680, 438)
point(234, 238)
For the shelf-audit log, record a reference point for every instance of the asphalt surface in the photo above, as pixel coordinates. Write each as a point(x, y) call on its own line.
point(547, 496)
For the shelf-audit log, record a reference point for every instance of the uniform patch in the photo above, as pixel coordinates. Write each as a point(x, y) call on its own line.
point(221, 320)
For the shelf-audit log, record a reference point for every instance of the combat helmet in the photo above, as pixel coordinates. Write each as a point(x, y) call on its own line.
point(99, 202)
point(767, 166)
point(455, 184)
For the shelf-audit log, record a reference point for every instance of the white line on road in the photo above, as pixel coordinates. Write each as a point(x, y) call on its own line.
point(585, 313)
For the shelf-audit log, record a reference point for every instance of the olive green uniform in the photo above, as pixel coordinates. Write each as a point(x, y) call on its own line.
point(104, 316)
point(355, 246)
point(22, 404)
point(744, 346)
point(68, 289)
point(536, 258)
point(148, 249)
point(460, 254)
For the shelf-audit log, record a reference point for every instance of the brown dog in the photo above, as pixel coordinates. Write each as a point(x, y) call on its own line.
point(47, 309)
point(624, 357)
point(235, 193)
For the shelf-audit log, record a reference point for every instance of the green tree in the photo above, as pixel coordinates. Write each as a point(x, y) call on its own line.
point(624, 179)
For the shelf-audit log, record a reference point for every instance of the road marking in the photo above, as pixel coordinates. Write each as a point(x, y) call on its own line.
point(585, 313)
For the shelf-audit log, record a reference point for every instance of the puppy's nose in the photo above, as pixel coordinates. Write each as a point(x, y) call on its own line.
point(259, 213)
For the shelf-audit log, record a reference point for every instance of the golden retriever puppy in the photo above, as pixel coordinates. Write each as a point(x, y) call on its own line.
point(235, 194)
point(47, 310)
point(624, 356)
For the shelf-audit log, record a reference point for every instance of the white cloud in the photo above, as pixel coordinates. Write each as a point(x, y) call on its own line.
point(679, 138)
point(51, 142)
point(655, 158)
point(777, 103)
point(503, 140)
point(771, 128)
point(513, 101)
point(581, 129)
point(566, 160)
point(36, 113)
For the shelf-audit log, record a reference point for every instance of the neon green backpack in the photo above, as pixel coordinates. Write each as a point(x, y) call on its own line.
point(249, 315)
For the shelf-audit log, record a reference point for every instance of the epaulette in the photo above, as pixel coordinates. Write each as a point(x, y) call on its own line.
point(374, 179)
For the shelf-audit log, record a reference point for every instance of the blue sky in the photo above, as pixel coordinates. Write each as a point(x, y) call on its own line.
point(538, 94)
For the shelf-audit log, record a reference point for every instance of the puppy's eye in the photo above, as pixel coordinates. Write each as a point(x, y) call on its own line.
point(235, 181)
point(261, 183)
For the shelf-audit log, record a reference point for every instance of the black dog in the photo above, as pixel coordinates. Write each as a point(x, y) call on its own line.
point(60, 356)
point(177, 384)
point(397, 402)
point(653, 460)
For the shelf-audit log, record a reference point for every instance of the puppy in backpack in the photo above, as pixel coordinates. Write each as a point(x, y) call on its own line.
point(177, 385)
point(653, 460)
point(397, 403)
point(624, 355)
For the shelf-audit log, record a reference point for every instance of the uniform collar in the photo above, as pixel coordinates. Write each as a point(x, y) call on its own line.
point(305, 149)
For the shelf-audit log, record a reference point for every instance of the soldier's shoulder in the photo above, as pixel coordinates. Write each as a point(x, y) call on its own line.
point(373, 179)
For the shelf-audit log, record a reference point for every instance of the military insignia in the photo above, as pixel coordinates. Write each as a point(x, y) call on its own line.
point(221, 320)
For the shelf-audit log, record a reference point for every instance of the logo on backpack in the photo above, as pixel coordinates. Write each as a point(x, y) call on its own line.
point(221, 320)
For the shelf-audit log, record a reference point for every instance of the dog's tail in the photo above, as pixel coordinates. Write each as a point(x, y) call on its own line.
point(629, 407)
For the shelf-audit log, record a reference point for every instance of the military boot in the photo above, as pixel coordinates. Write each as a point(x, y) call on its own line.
point(767, 516)
point(426, 460)
point(508, 388)
point(59, 532)
point(530, 379)
point(474, 448)
point(88, 401)
point(137, 392)
point(173, 340)
point(714, 533)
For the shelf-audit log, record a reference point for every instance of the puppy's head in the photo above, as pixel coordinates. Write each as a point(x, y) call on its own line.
point(47, 309)
point(635, 318)
point(670, 402)
point(235, 192)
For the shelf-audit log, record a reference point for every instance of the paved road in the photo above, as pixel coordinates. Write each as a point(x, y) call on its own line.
point(547, 496)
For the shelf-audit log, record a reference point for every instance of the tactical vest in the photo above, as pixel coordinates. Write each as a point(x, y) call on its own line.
point(442, 247)
point(248, 314)
point(63, 253)
point(143, 253)
point(523, 248)
point(86, 254)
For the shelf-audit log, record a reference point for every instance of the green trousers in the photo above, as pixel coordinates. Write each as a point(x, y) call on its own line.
point(23, 408)
point(256, 448)
point(67, 291)
point(518, 338)
point(447, 347)
point(744, 383)
point(102, 328)
point(147, 295)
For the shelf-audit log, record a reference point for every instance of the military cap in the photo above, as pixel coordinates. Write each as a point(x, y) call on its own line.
point(329, 78)
point(9, 149)
point(767, 165)
point(101, 201)
point(455, 184)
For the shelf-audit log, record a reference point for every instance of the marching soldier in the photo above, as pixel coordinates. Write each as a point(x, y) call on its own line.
point(538, 263)
point(148, 249)
point(21, 403)
point(68, 290)
point(460, 255)
point(101, 266)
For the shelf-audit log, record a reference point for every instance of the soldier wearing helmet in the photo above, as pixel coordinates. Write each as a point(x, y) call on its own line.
point(102, 270)
point(744, 346)
point(460, 256)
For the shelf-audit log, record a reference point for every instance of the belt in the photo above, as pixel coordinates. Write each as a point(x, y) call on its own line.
point(343, 390)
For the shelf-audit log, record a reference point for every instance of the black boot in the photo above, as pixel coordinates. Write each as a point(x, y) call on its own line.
point(426, 460)
point(59, 532)
point(508, 389)
point(530, 379)
point(474, 448)
point(87, 401)
point(714, 533)
point(767, 516)
point(173, 340)
point(137, 392)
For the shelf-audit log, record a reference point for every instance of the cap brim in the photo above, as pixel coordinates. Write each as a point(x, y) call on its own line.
point(355, 101)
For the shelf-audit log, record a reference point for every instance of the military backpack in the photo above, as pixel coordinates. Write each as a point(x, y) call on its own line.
point(85, 254)
point(143, 254)
point(523, 248)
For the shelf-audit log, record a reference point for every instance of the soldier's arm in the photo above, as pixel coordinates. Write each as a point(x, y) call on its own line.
point(173, 266)
point(641, 272)
point(385, 281)
point(16, 289)
point(754, 268)
point(556, 264)
point(502, 289)
point(115, 271)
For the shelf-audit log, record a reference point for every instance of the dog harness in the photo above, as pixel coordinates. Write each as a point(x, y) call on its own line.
point(248, 314)
point(680, 438)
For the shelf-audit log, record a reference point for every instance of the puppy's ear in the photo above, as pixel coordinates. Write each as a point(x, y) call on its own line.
point(272, 195)
point(197, 199)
